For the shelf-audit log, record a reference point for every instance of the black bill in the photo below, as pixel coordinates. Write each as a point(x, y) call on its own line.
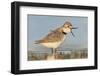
point(72, 32)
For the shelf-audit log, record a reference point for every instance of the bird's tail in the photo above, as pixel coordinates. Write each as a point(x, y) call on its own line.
point(37, 41)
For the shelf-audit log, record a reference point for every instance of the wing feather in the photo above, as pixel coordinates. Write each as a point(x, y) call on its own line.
point(54, 36)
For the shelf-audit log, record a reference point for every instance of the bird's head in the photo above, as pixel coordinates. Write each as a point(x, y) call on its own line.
point(67, 28)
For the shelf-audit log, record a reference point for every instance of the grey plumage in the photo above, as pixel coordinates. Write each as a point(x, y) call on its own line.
point(57, 34)
point(54, 39)
point(53, 36)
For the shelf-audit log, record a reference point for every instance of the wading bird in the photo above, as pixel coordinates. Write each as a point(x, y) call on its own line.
point(56, 37)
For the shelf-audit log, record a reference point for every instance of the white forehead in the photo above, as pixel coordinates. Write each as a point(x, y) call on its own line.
point(66, 25)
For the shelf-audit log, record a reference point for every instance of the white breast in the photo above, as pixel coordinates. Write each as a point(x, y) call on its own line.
point(53, 44)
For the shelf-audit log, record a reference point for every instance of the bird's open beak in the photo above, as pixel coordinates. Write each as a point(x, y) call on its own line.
point(72, 32)
point(74, 27)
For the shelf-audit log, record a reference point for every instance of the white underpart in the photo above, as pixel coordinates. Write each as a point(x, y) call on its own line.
point(53, 44)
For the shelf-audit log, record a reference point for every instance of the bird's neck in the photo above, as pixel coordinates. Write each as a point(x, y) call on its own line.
point(64, 33)
point(60, 30)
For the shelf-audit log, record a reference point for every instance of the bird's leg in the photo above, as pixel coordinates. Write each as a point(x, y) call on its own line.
point(56, 53)
point(52, 50)
point(56, 50)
